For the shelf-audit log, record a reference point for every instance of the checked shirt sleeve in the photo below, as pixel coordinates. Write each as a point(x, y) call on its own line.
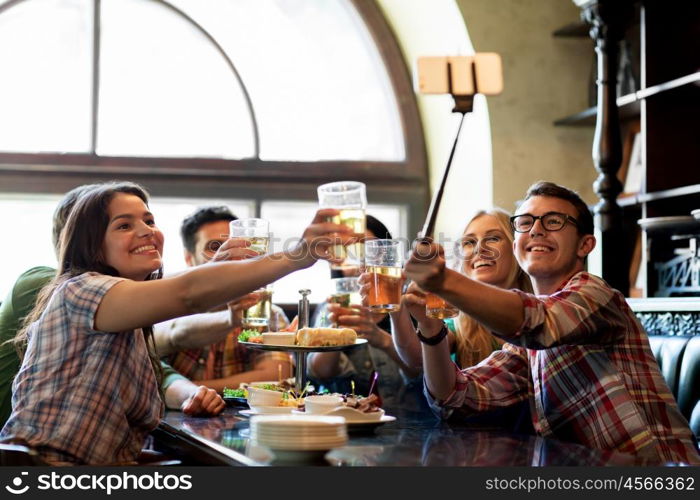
point(498, 381)
point(585, 311)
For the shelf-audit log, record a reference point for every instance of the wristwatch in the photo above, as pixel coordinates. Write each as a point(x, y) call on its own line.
point(434, 340)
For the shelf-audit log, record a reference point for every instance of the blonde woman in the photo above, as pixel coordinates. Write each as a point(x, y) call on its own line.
point(487, 252)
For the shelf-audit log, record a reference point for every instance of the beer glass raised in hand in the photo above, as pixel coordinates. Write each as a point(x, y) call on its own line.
point(258, 316)
point(346, 291)
point(438, 308)
point(256, 231)
point(384, 263)
point(350, 199)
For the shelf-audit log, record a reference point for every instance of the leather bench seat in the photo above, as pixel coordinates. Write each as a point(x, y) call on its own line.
point(679, 359)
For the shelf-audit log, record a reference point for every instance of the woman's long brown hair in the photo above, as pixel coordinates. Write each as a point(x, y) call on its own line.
point(473, 342)
point(80, 251)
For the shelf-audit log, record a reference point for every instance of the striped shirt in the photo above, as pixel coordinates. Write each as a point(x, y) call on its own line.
point(586, 368)
point(83, 396)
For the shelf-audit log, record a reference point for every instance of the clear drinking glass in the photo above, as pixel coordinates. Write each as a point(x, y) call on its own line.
point(258, 316)
point(438, 308)
point(384, 262)
point(256, 231)
point(346, 291)
point(435, 306)
point(350, 198)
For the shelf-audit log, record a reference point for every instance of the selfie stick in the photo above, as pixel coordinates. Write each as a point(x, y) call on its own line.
point(463, 104)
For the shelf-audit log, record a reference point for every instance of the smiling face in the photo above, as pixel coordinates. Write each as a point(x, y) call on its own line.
point(488, 252)
point(133, 245)
point(551, 257)
point(208, 238)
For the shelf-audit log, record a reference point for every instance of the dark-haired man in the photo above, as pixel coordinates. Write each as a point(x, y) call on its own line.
point(221, 362)
point(574, 350)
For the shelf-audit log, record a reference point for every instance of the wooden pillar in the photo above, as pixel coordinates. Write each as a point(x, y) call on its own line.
point(608, 20)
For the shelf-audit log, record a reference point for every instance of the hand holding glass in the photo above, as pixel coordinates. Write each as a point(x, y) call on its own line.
point(346, 291)
point(255, 231)
point(438, 308)
point(383, 258)
point(350, 199)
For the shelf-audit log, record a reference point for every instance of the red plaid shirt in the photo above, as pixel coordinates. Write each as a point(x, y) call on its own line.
point(226, 357)
point(586, 367)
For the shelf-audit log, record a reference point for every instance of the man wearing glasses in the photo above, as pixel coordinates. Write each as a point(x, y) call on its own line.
point(574, 349)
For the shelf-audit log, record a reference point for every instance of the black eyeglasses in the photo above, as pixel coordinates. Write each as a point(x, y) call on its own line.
point(551, 221)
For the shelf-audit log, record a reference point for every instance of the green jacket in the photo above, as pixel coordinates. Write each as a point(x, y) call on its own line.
point(18, 304)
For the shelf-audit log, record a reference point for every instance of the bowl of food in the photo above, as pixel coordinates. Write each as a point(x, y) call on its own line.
point(318, 405)
point(258, 396)
point(237, 398)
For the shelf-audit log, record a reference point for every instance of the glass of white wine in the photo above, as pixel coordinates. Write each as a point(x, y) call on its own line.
point(255, 231)
point(350, 198)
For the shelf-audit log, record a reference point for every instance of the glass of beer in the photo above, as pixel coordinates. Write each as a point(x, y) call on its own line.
point(438, 308)
point(258, 316)
point(345, 291)
point(350, 198)
point(256, 231)
point(384, 263)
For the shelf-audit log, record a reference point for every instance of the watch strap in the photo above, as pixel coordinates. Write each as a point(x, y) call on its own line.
point(435, 339)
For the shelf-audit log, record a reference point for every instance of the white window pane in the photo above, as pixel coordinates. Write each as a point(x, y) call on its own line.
point(394, 217)
point(45, 96)
point(27, 242)
point(318, 85)
point(31, 225)
point(169, 214)
point(288, 219)
point(165, 90)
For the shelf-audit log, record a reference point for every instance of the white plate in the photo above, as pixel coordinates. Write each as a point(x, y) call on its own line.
point(267, 410)
point(326, 444)
point(296, 457)
point(353, 419)
point(667, 223)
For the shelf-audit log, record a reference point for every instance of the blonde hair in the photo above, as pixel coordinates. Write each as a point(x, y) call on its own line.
point(473, 342)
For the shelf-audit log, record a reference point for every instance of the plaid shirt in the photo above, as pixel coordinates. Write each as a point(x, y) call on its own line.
point(226, 357)
point(83, 396)
point(586, 367)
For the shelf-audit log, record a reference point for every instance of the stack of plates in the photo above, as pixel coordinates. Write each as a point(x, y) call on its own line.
point(299, 433)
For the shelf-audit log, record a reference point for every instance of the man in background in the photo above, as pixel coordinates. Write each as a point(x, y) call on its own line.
point(222, 363)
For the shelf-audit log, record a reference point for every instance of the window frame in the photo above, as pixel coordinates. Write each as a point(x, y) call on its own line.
point(394, 182)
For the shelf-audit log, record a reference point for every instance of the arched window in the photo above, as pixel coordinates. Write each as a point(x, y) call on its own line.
point(247, 100)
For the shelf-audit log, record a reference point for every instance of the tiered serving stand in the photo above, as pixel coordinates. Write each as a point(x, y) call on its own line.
point(300, 353)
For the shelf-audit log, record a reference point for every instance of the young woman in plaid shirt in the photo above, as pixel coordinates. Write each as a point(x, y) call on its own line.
point(87, 390)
